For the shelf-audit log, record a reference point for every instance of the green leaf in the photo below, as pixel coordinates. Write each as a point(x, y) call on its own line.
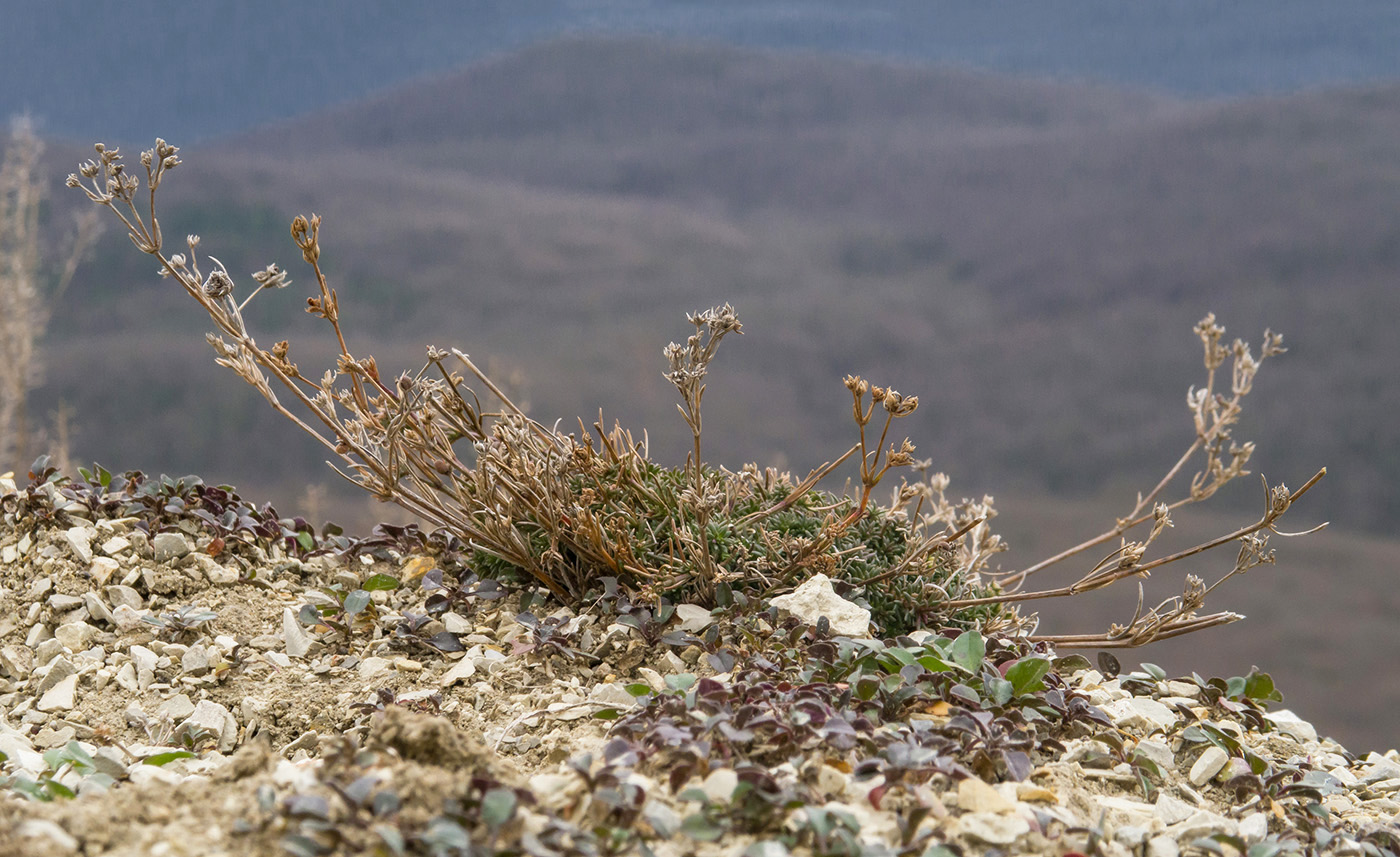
point(1260, 686)
point(1155, 671)
point(380, 583)
point(699, 827)
point(934, 664)
point(306, 540)
point(356, 602)
point(968, 651)
point(497, 806)
point(680, 681)
point(999, 690)
point(1025, 675)
point(166, 758)
point(606, 714)
point(638, 688)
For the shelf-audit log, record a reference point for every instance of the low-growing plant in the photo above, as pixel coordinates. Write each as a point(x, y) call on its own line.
point(567, 510)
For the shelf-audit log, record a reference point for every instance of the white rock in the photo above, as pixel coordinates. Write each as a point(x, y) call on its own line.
point(126, 677)
point(1127, 810)
point(720, 784)
point(74, 636)
point(816, 598)
point(694, 618)
point(455, 624)
point(992, 828)
point(115, 545)
point(120, 594)
point(612, 694)
point(61, 696)
point(1203, 823)
point(976, 796)
point(1254, 827)
point(1144, 715)
point(196, 660)
point(214, 719)
point(141, 774)
point(297, 640)
point(144, 658)
point(55, 840)
point(221, 575)
point(461, 671)
point(1157, 752)
point(169, 546)
point(21, 753)
point(372, 666)
point(102, 569)
point(125, 618)
point(1163, 846)
point(556, 791)
point(1292, 725)
point(177, 707)
point(1173, 810)
point(1210, 763)
point(80, 542)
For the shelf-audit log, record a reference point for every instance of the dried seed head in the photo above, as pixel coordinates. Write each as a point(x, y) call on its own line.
point(218, 285)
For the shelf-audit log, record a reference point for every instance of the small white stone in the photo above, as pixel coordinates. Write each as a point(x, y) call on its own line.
point(169, 546)
point(55, 839)
point(455, 624)
point(297, 640)
point(101, 569)
point(372, 666)
point(221, 575)
point(993, 828)
point(1163, 846)
point(1157, 752)
point(126, 677)
point(720, 784)
point(461, 671)
point(976, 796)
point(144, 658)
point(115, 545)
point(121, 594)
point(816, 598)
point(1173, 810)
point(177, 707)
point(1145, 715)
point(1203, 823)
point(74, 636)
point(61, 696)
point(694, 618)
point(1254, 827)
point(125, 618)
point(1210, 763)
point(212, 718)
point(1292, 725)
point(80, 542)
point(612, 694)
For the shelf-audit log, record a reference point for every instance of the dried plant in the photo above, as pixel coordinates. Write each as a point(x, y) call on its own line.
point(574, 511)
point(28, 289)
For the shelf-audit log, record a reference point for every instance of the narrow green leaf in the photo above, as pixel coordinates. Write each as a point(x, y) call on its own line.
point(380, 583)
point(306, 540)
point(160, 759)
point(639, 688)
point(699, 827)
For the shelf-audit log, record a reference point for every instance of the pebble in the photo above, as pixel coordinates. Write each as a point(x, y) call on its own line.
point(372, 666)
point(169, 546)
point(298, 641)
point(974, 795)
point(992, 828)
point(1140, 714)
point(816, 599)
point(61, 696)
point(1210, 763)
point(74, 636)
point(115, 545)
point(55, 839)
point(121, 595)
point(79, 541)
point(212, 718)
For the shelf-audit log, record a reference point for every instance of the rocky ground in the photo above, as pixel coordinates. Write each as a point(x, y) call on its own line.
point(181, 675)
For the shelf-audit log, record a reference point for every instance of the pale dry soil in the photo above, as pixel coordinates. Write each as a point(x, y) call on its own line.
point(267, 717)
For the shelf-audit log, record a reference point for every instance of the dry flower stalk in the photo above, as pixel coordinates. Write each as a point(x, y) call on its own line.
point(569, 509)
